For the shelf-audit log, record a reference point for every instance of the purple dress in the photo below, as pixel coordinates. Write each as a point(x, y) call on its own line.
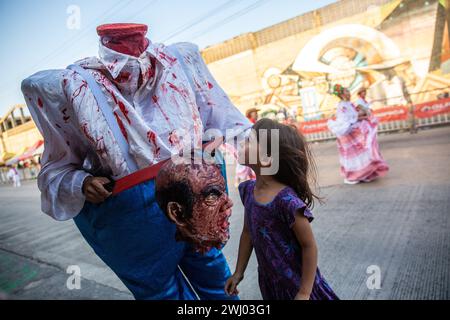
point(277, 250)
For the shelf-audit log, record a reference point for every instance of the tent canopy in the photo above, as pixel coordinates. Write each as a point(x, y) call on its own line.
point(26, 154)
point(31, 151)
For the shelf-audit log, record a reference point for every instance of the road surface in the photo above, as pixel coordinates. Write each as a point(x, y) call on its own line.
point(398, 226)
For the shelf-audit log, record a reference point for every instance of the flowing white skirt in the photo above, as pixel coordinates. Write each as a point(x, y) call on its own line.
point(359, 154)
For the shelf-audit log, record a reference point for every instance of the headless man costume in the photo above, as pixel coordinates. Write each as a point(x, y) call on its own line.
point(128, 110)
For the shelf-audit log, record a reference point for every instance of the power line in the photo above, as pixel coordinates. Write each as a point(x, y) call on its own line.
point(200, 19)
point(139, 11)
point(231, 18)
point(73, 40)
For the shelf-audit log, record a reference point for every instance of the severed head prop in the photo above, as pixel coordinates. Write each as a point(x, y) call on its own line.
point(193, 196)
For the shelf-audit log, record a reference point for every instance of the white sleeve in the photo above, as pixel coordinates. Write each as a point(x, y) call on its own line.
point(61, 177)
point(345, 118)
point(216, 109)
point(363, 104)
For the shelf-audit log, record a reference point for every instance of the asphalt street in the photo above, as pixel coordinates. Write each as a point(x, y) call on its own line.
point(398, 226)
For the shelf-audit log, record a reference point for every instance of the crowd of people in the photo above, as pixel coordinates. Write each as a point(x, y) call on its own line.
point(23, 170)
point(355, 128)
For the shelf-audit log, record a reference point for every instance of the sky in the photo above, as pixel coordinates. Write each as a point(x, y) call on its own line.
point(51, 34)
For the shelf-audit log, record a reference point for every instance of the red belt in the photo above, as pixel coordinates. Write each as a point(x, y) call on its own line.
point(145, 174)
point(137, 177)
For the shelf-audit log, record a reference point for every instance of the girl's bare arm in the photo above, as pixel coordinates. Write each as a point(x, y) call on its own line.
point(245, 250)
point(305, 237)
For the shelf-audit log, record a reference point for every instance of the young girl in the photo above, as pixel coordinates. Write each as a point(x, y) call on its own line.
point(277, 218)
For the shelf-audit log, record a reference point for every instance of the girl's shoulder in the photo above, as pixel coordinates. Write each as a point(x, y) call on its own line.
point(289, 205)
point(245, 188)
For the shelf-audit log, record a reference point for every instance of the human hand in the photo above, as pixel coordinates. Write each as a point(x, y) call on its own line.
point(232, 283)
point(94, 190)
point(301, 296)
point(362, 117)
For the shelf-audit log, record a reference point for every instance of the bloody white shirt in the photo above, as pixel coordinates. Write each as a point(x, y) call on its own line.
point(160, 104)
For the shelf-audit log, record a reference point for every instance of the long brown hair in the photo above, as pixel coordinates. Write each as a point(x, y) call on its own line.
point(297, 168)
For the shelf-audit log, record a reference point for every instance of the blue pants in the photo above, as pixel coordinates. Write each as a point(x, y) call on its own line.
point(131, 234)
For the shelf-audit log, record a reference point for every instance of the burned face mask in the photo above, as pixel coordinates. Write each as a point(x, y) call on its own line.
point(193, 196)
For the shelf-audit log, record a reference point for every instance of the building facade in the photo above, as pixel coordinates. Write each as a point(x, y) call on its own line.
point(398, 50)
point(17, 133)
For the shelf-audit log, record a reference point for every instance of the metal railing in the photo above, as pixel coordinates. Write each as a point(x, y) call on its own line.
point(24, 174)
point(409, 123)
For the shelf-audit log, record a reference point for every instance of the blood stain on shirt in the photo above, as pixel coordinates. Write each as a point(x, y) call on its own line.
point(101, 147)
point(112, 65)
point(150, 73)
point(124, 111)
point(120, 104)
point(121, 126)
point(84, 128)
point(152, 139)
point(40, 104)
point(173, 138)
point(77, 92)
point(199, 87)
point(164, 88)
point(167, 58)
point(156, 102)
point(124, 76)
point(178, 90)
point(113, 96)
point(65, 116)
